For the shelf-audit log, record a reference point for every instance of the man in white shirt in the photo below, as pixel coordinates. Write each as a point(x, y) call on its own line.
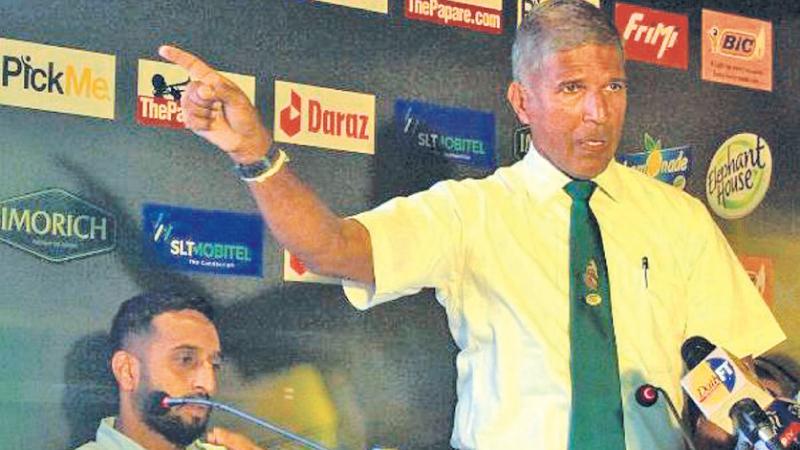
point(164, 343)
point(497, 250)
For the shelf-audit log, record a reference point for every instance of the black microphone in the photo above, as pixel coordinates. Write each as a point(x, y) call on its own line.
point(647, 396)
point(750, 420)
point(160, 402)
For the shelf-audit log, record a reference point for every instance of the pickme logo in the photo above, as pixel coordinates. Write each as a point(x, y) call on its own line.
point(654, 36)
point(290, 116)
point(56, 225)
point(738, 43)
point(323, 117)
point(74, 81)
point(160, 87)
point(56, 79)
point(739, 175)
point(724, 376)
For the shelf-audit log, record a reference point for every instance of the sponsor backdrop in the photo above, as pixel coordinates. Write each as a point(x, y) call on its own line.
point(103, 196)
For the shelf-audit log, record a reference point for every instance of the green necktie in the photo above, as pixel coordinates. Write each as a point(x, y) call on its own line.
point(596, 413)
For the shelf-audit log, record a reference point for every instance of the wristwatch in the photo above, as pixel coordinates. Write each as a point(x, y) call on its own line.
point(251, 171)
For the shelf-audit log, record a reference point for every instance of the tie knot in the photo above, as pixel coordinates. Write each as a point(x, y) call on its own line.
point(580, 190)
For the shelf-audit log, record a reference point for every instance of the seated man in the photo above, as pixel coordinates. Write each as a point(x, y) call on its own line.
point(164, 343)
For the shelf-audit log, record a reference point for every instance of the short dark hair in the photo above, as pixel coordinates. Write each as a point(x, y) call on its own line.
point(556, 26)
point(136, 314)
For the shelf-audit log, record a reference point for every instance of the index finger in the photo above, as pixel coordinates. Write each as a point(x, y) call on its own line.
point(198, 70)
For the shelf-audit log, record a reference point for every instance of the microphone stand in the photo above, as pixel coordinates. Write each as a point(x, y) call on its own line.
point(175, 401)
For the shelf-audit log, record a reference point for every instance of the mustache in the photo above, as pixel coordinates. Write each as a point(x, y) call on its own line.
point(156, 405)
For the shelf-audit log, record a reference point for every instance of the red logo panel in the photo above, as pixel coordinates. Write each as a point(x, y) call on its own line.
point(653, 36)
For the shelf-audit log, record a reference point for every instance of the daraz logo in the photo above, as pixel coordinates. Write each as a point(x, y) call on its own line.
point(56, 79)
point(323, 117)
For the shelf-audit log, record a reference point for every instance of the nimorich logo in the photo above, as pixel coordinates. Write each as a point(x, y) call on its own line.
point(738, 176)
point(57, 79)
point(322, 117)
point(161, 86)
point(56, 225)
point(204, 241)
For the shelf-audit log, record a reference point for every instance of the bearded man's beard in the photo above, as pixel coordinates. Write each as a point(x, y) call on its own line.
point(167, 422)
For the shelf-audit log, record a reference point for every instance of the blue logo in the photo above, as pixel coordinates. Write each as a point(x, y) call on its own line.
point(462, 135)
point(724, 369)
point(204, 241)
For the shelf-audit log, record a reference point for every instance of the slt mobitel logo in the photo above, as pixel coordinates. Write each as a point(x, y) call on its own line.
point(479, 15)
point(323, 117)
point(738, 176)
point(160, 88)
point(207, 241)
point(57, 79)
point(653, 36)
point(737, 50)
point(56, 225)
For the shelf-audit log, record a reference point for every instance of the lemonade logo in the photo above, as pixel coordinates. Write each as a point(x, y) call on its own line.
point(737, 50)
point(672, 165)
point(57, 79)
point(56, 225)
point(204, 241)
point(160, 88)
point(322, 117)
point(738, 176)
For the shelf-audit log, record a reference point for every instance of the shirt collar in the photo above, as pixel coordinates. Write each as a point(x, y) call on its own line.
point(544, 180)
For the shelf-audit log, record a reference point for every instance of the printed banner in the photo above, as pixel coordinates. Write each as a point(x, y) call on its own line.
point(479, 15)
point(739, 175)
point(521, 142)
point(206, 241)
point(56, 226)
point(462, 135)
point(379, 6)
point(295, 270)
point(737, 50)
point(326, 118)
point(653, 36)
point(160, 87)
point(762, 273)
point(670, 165)
point(57, 79)
point(525, 6)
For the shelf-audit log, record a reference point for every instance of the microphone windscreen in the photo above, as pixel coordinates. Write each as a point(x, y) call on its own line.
point(156, 404)
point(694, 350)
point(647, 395)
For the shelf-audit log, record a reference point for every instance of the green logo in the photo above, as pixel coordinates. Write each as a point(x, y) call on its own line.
point(738, 176)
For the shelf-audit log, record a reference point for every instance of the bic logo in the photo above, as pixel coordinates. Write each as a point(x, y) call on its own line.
point(737, 43)
point(725, 371)
point(290, 116)
point(323, 117)
point(56, 79)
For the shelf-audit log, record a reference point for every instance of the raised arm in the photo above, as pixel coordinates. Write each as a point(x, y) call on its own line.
point(217, 110)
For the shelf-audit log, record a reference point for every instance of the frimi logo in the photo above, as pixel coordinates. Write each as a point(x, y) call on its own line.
point(322, 117)
point(653, 36)
point(57, 79)
point(738, 43)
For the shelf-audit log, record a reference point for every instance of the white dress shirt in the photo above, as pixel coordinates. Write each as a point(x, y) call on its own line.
point(497, 252)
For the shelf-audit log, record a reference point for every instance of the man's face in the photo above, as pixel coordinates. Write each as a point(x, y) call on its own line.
point(575, 107)
point(179, 356)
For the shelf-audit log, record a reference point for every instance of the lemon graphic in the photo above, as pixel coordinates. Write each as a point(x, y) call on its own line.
point(653, 164)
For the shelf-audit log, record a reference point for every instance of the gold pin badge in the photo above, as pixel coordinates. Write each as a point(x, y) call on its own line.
point(590, 276)
point(593, 299)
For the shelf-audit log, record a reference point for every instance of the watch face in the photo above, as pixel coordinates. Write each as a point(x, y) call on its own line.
point(253, 170)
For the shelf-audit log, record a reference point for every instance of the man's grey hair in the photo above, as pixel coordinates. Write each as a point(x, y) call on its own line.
point(559, 25)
